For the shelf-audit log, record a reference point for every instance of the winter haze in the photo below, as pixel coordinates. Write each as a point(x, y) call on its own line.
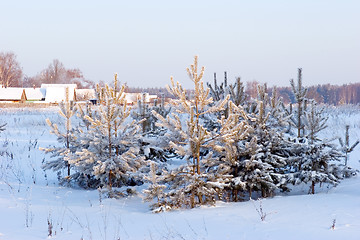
point(146, 42)
point(234, 158)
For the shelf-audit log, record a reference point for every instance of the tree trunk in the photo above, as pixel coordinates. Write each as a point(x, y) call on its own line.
point(313, 187)
point(235, 195)
point(110, 182)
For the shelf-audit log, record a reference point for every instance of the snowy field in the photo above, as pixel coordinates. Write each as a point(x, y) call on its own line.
point(32, 203)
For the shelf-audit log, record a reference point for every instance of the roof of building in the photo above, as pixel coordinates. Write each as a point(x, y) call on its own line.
point(58, 94)
point(35, 93)
point(11, 94)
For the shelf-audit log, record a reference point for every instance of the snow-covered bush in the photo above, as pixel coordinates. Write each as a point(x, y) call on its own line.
point(318, 158)
point(104, 149)
point(191, 184)
point(262, 157)
point(110, 147)
point(283, 147)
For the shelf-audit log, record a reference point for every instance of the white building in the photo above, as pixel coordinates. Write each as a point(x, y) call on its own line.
point(12, 95)
point(35, 94)
point(56, 93)
point(132, 98)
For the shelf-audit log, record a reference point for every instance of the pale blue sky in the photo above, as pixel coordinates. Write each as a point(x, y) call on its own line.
point(146, 42)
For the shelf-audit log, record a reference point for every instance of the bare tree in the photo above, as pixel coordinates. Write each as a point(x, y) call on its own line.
point(54, 73)
point(57, 73)
point(251, 89)
point(10, 70)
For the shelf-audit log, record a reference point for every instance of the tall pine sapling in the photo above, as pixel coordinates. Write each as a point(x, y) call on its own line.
point(263, 169)
point(223, 168)
point(189, 185)
point(155, 190)
point(316, 160)
point(110, 155)
point(237, 92)
point(217, 92)
point(300, 97)
point(345, 146)
point(67, 111)
point(314, 122)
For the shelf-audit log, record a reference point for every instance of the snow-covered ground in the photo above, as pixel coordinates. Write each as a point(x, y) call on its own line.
point(31, 199)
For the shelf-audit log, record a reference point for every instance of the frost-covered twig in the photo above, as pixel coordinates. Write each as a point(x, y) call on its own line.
point(333, 224)
point(260, 210)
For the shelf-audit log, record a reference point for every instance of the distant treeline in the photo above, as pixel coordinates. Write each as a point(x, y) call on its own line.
point(325, 93)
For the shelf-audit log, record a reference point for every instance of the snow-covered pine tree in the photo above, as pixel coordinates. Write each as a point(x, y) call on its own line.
point(189, 183)
point(300, 97)
point(65, 137)
point(224, 165)
point(143, 113)
point(161, 109)
point(280, 115)
point(218, 93)
point(316, 160)
point(264, 156)
point(345, 146)
point(257, 163)
point(316, 157)
point(86, 111)
point(111, 146)
point(155, 190)
point(236, 92)
point(151, 147)
point(314, 121)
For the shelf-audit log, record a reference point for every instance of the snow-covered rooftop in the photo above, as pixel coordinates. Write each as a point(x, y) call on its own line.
point(35, 93)
point(11, 94)
point(58, 94)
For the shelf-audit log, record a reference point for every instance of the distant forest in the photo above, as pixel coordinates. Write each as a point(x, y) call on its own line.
point(325, 93)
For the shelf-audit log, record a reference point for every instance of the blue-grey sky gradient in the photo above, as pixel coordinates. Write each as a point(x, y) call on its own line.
point(146, 42)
